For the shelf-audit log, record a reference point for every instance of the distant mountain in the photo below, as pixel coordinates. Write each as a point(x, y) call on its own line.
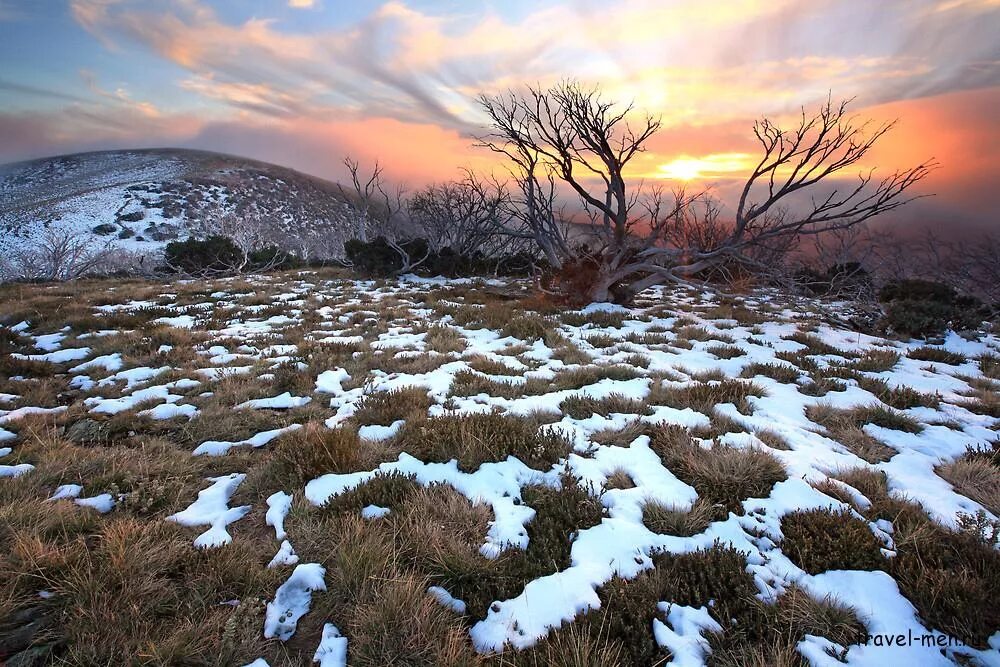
point(142, 199)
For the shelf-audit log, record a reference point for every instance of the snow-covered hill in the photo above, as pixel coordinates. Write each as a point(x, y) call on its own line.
point(142, 199)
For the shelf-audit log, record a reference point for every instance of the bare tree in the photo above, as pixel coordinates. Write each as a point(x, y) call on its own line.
point(465, 216)
point(649, 238)
point(381, 210)
point(366, 196)
point(970, 265)
point(59, 254)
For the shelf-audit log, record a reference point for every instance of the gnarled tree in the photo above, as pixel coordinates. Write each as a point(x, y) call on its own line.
point(381, 210)
point(636, 239)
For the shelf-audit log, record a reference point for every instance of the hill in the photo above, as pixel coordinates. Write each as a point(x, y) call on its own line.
point(142, 199)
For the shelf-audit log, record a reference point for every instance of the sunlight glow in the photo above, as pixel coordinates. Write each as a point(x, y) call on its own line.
point(686, 167)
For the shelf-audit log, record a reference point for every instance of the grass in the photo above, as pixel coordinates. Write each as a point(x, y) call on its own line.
point(479, 438)
point(582, 406)
point(899, 397)
point(130, 583)
point(976, 475)
point(386, 407)
point(721, 475)
point(444, 339)
point(936, 355)
point(315, 450)
point(777, 372)
point(845, 426)
point(671, 520)
point(704, 396)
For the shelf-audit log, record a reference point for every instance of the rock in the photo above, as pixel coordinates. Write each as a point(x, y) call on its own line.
point(88, 431)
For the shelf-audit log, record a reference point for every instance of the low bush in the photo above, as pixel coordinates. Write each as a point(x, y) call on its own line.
point(821, 540)
point(213, 255)
point(936, 355)
point(922, 308)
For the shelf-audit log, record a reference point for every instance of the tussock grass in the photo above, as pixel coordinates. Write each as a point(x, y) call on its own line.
point(484, 364)
point(777, 372)
point(475, 439)
point(672, 520)
point(444, 339)
point(816, 345)
point(600, 318)
point(619, 479)
point(704, 396)
point(582, 407)
point(472, 383)
point(621, 437)
point(315, 450)
point(901, 397)
point(989, 365)
point(721, 475)
point(386, 407)
point(844, 426)
point(936, 355)
point(528, 327)
point(725, 351)
point(878, 360)
point(976, 475)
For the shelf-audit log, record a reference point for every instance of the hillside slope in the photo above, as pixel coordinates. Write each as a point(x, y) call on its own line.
point(142, 199)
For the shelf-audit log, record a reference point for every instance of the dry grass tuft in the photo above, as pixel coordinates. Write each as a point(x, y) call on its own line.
point(444, 339)
point(976, 475)
point(315, 450)
point(704, 396)
point(936, 355)
point(721, 475)
point(844, 426)
point(582, 406)
point(671, 520)
point(386, 407)
point(475, 439)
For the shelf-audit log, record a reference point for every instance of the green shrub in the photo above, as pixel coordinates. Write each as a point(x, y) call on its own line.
point(215, 254)
point(913, 289)
point(821, 540)
point(922, 308)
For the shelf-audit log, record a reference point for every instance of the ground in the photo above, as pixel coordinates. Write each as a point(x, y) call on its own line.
point(303, 467)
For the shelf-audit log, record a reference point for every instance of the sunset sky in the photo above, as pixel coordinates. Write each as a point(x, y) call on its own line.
point(303, 82)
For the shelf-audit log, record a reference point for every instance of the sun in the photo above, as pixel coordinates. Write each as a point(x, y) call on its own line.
point(682, 169)
point(715, 165)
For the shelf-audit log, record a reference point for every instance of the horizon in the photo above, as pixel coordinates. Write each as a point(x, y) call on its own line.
point(304, 82)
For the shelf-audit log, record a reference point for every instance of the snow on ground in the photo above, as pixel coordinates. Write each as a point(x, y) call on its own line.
point(620, 545)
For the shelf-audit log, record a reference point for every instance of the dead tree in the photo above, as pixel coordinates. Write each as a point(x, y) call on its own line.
point(647, 239)
point(381, 211)
point(366, 196)
point(59, 254)
point(465, 216)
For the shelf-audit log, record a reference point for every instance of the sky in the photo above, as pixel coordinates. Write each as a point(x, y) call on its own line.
point(304, 82)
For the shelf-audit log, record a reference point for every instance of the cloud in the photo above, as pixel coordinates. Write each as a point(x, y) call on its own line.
point(302, 4)
point(284, 88)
